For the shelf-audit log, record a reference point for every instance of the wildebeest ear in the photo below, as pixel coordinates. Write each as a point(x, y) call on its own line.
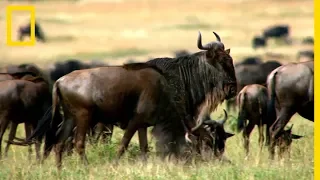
point(228, 51)
point(294, 136)
point(229, 135)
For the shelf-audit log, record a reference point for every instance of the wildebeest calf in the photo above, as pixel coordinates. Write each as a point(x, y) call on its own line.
point(22, 101)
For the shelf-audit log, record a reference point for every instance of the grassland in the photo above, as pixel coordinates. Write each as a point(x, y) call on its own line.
point(114, 31)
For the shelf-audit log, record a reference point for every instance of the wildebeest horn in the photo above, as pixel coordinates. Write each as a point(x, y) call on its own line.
point(225, 118)
point(217, 36)
point(214, 45)
point(290, 127)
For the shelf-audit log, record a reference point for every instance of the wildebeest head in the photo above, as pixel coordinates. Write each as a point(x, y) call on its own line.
point(218, 135)
point(285, 139)
point(219, 58)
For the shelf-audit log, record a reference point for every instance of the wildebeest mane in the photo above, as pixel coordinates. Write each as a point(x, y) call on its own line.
point(195, 75)
point(139, 66)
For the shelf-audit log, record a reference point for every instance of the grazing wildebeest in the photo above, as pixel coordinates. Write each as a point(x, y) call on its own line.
point(307, 55)
point(252, 74)
point(181, 53)
point(218, 136)
point(26, 31)
point(258, 42)
point(284, 141)
point(23, 100)
point(277, 31)
point(290, 89)
point(132, 96)
point(200, 81)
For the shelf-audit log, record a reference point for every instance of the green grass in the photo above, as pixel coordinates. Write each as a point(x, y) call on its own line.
point(101, 165)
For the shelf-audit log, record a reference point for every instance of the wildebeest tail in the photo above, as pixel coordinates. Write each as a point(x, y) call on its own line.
point(271, 111)
point(241, 100)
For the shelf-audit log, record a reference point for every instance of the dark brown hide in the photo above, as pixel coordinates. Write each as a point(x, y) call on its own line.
point(252, 102)
point(132, 97)
point(200, 81)
point(290, 89)
point(22, 101)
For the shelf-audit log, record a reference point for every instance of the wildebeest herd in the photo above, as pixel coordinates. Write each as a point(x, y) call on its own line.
point(72, 100)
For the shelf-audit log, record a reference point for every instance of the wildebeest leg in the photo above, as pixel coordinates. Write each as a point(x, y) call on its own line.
point(28, 133)
point(38, 140)
point(246, 136)
point(12, 134)
point(83, 118)
point(3, 126)
point(283, 118)
point(129, 132)
point(66, 130)
point(261, 136)
point(143, 141)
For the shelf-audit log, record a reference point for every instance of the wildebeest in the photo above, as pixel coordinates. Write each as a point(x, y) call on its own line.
point(200, 81)
point(284, 141)
point(306, 55)
point(252, 103)
point(290, 89)
point(218, 135)
point(277, 31)
point(26, 31)
point(181, 53)
point(23, 100)
point(132, 96)
point(258, 42)
point(252, 74)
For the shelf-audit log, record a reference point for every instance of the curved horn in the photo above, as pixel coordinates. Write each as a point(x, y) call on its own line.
point(198, 125)
point(217, 36)
point(290, 127)
point(225, 117)
point(199, 42)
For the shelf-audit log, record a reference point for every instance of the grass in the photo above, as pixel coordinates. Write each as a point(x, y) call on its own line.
point(130, 167)
point(99, 30)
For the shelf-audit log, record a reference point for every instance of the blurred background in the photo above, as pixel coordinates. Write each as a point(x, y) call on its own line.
point(115, 31)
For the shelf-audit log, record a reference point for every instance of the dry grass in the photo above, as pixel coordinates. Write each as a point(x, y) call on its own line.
point(115, 31)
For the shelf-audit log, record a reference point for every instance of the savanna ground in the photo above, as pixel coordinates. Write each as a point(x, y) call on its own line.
point(116, 30)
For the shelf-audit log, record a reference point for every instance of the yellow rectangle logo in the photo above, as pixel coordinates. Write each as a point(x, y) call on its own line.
point(9, 12)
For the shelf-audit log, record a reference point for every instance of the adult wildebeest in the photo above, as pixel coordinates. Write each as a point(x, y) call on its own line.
point(290, 89)
point(277, 31)
point(252, 74)
point(23, 100)
point(26, 31)
point(200, 81)
point(132, 96)
point(258, 42)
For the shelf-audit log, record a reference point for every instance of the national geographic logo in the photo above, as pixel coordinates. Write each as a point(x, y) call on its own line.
point(9, 11)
